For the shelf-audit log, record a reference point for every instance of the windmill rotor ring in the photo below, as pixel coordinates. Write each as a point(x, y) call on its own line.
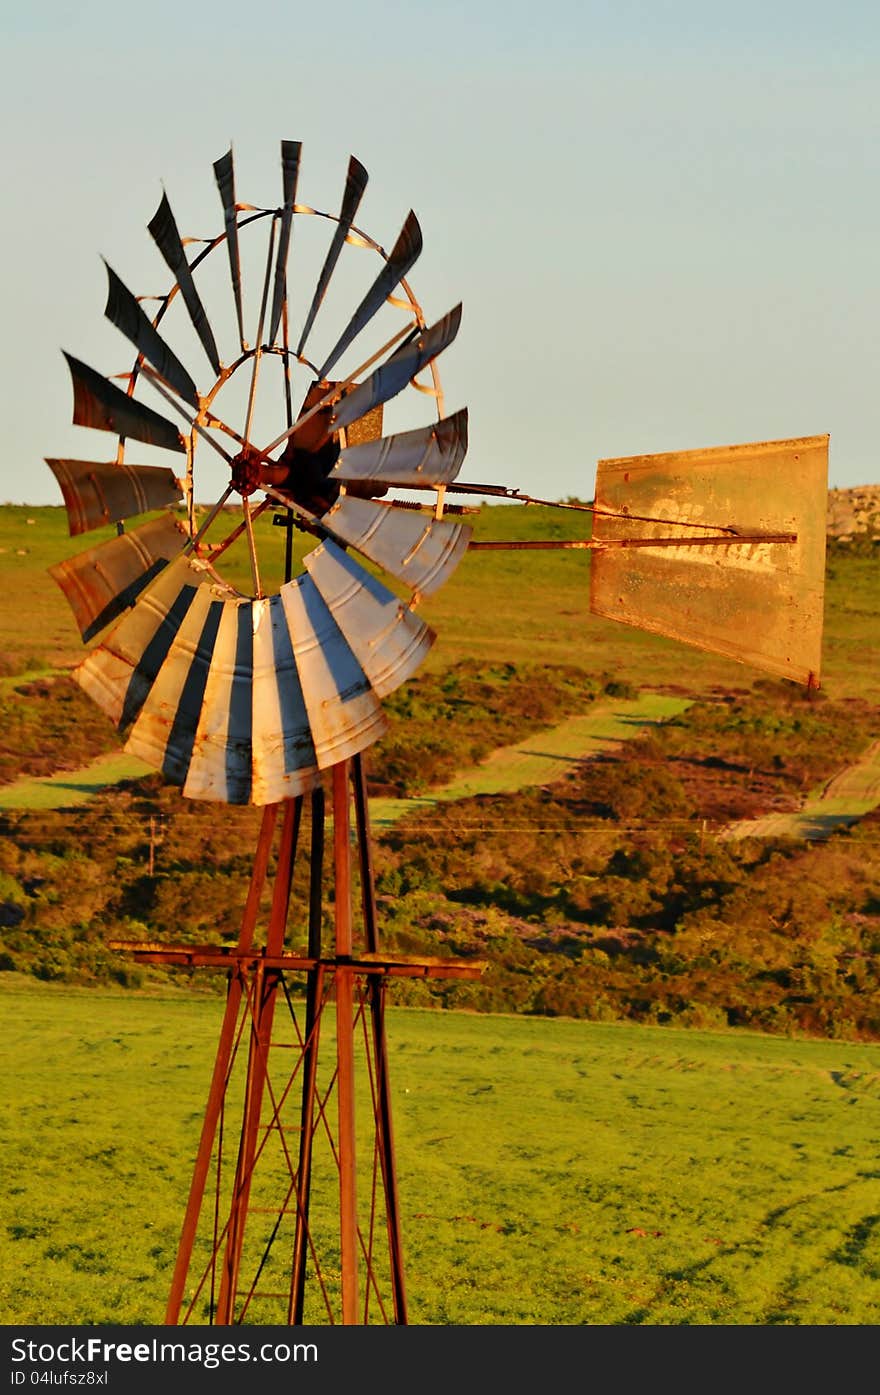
point(246, 695)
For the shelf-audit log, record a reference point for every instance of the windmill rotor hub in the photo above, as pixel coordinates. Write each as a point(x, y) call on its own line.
point(248, 471)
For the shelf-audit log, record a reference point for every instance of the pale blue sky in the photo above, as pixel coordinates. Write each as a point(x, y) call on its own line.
point(662, 219)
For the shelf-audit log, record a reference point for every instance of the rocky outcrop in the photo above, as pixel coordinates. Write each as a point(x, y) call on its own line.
point(854, 512)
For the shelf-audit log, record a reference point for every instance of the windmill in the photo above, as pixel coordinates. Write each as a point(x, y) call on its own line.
point(254, 693)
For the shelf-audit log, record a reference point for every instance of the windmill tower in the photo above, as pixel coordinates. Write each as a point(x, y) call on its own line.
point(268, 692)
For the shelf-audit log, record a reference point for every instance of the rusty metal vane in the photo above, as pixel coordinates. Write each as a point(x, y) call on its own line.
point(224, 173)
point(100, 404)
point(106, 580)
point(290, 157)
point(163, 228)
point(404, 255)
point(125, 312)
point(392, 376)
point(355, 184)
point(428, 456)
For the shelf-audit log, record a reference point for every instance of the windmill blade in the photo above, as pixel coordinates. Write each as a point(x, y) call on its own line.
point(391, 377)
point(387, 639)
point(225, 718)
point(290, 157)
point(163, 230)
point(429, 455)
point(120, 672)
point(403, 256)
point(100, 492)
point(344, 713)
point(758, 602)
point(163, 733)
point(106, 580)
point(100, 404)
point(284, 760)
point(420, 551)
point(125, 312)
point(224, 174)
point(355, 184)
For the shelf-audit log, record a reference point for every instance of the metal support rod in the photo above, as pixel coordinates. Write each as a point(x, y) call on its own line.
point(217, 1089)
point(314, 993)
point(266, 985)
point(605, 544)
point(348, 1239)
point(376, 993)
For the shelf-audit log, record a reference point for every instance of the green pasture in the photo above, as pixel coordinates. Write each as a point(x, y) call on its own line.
point(498, 606)
point(551, 1172)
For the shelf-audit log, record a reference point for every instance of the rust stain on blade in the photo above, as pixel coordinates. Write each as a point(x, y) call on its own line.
point(760, 603)
point(421, 552)
point(430, 455)
point(386, 638)
point(99, 492)
point(106, 580)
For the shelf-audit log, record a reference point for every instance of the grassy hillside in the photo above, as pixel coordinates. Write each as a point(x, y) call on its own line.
point(550, 1172)
point(607, 893)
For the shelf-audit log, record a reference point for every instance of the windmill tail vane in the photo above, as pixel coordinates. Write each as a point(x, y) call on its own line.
point(268, 693)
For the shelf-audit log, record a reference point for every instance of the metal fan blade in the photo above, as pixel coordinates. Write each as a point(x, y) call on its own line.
point(290, 155)
point(224, 173)
point(120, 672)
point(164, 731)
point(163, 230)
point(758, 602)
point(355, 184)
point(345, 715)
point(106, 580)
point(387, 639)
point(253, 741)
point(98, 403)
point(284, 758)
point(403, 256)
point(123, 310)
point(100, 492)
point(420, 551)
point(391, 377)
point(219, 767)
point(430, 455)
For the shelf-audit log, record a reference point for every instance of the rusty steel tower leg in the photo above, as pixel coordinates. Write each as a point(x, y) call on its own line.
point(265, 991)
point(314, 994)
point(348, 1236)
point(376, 991)
point(217, 1091)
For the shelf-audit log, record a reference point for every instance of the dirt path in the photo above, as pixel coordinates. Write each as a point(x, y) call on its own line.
point(543, 757)
point(846, 798)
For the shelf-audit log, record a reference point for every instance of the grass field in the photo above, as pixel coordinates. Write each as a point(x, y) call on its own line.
point(551, 1172)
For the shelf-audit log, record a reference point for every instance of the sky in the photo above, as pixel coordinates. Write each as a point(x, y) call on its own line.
point(661, 219)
